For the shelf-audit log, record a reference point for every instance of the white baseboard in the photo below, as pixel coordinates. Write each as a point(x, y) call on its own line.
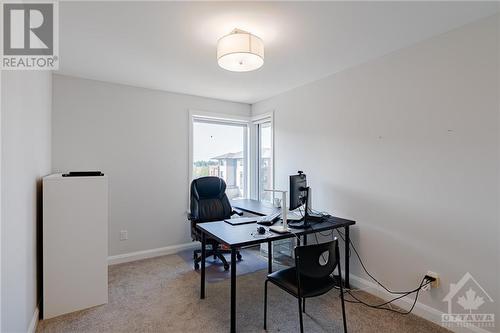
point(162, 251)
point(421, 310)
point(34, 321)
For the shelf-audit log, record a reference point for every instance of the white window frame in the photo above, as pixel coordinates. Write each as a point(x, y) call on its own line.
point(222, 119)
point(255, 152)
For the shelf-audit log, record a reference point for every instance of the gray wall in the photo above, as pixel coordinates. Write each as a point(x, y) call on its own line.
point(139, 137)
point(25, 158)
point(407, 145)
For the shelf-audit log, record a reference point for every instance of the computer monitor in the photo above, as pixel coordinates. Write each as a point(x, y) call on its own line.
point(298, 190)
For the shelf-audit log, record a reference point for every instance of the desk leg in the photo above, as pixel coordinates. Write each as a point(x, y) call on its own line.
point(203, 255)
point(305, 239)
point(233, 290)
point(269, 257)
point(346, 265)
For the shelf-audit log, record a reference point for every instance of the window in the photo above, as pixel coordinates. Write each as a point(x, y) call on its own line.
point(219, 148)
point(265, 179)
point(238, 149)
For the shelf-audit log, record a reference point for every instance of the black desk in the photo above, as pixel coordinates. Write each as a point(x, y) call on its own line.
point(254, 206)
point(244, 235)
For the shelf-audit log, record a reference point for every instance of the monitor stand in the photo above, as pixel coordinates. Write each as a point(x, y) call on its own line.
point(304, 222)
point(299, 224)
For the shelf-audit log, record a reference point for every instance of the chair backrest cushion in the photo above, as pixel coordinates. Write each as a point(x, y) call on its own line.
point(317, 260)
point(209, 201)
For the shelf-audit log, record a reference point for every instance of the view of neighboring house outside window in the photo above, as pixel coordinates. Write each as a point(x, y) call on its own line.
point(218, 150)
point(231, 165)
point(221, 148)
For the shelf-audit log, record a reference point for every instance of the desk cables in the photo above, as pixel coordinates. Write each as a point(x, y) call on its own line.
point(382, 306)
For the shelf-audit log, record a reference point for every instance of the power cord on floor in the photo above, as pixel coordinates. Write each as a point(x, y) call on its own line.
point(381, 306)
point(424, 282)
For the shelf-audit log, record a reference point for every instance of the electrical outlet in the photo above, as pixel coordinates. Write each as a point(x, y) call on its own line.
point(123, 235)
point(436, 282)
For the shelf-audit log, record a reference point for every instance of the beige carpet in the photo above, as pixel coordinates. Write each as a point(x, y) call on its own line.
point(162, 295)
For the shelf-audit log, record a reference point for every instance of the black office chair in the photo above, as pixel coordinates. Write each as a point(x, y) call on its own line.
point(312, 276)
point(209, 203)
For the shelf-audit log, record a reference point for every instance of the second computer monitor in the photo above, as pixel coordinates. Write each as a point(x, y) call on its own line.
point(298, 185)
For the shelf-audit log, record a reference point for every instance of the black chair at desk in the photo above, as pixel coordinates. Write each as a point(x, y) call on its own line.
point(311, 276)
point(209, 203)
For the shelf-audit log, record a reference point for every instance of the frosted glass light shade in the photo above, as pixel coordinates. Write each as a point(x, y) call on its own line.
point(240, 51)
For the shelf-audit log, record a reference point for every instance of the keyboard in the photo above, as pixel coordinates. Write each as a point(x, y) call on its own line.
point(241, 220)
point(269, 219)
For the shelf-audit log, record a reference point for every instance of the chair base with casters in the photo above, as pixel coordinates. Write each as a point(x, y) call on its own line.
point(217, 253)
point(310, 277)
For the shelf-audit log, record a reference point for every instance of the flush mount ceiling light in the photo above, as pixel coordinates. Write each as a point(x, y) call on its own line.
point(240, 51)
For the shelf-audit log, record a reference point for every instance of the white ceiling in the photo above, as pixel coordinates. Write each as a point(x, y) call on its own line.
point(172, 45)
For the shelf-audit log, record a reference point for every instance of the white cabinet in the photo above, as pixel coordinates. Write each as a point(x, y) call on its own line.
point(75, 243)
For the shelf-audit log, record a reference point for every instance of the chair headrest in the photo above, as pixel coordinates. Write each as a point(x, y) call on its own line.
point(208, 187)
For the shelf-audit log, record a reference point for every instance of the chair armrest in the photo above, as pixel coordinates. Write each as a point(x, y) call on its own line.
point(237, 212)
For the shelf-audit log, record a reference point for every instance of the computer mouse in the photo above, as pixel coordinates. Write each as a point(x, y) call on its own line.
point(261, 230)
